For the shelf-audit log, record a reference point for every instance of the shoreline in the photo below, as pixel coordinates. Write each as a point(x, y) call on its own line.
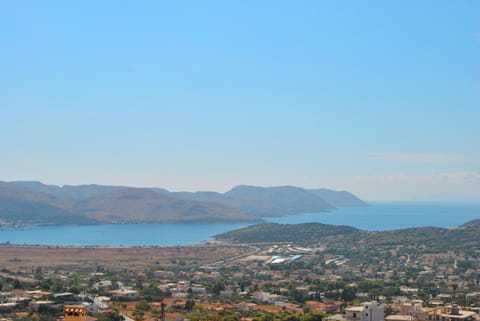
point(214, 243)
point(385, 217)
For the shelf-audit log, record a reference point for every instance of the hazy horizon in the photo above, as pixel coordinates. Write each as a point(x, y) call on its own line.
point(379, 99)
point(433, 199)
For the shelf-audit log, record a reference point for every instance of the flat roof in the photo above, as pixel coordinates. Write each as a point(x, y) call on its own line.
point(354, 309)
point(398, 317)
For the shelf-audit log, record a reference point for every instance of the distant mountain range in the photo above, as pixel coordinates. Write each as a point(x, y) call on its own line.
point(35, 203)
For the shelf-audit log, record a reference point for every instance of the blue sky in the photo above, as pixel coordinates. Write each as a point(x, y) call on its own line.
point(379, 98)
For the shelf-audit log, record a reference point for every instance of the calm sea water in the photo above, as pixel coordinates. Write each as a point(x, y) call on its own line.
point(391, 216)
point(378, 216)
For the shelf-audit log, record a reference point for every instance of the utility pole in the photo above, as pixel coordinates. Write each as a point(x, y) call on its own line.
point(162, 308)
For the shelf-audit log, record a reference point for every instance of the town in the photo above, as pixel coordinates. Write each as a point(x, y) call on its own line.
point(240, 160)
point(248, 282)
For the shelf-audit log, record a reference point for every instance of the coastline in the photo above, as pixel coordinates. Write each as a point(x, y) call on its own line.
point(384, 216)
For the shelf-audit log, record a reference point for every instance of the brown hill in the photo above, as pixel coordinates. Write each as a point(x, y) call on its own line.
point(143, 205)
point(277, 201)
point(32, 202)
point(22, 206)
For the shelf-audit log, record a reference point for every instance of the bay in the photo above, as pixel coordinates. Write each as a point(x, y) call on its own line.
point(117, 234)
point(382, 216)
point(376, 217)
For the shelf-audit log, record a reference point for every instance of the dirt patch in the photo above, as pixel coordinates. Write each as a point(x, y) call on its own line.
point(18, 257)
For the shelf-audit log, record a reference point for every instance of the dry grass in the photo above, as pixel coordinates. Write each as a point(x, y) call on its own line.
point(15, 257)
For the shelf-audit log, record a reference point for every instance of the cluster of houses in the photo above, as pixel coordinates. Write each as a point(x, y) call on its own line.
point(414, 310)
point(402, 308)
point(32, 301)
point(263, 282)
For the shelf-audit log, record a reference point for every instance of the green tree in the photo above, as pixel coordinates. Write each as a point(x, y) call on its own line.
point(142, 305)
point(189, 305)
point(217, 287)
point(348, 294)
point(312, 316)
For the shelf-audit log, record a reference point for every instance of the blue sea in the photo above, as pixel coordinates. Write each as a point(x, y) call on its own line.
point(383, 216)
point(376, 217)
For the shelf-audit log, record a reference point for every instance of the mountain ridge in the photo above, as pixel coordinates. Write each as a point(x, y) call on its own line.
point(93, 203)
point(144, 205)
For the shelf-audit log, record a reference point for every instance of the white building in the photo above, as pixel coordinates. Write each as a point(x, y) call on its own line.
point(367, 311)
point(102, 285)
point(163, 275)
point(123, 294)
point(270, 298)
point(198, 290)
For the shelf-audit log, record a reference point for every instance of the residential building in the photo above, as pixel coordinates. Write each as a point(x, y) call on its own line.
point(367, 311)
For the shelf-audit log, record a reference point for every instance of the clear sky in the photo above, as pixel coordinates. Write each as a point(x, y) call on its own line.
point(381, 98)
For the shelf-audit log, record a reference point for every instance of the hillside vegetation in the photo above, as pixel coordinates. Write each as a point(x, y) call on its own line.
point(472, 223)
point(306, 233)
point(431, 239)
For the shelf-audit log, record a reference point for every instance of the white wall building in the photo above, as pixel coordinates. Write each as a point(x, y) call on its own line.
point(367, 311)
